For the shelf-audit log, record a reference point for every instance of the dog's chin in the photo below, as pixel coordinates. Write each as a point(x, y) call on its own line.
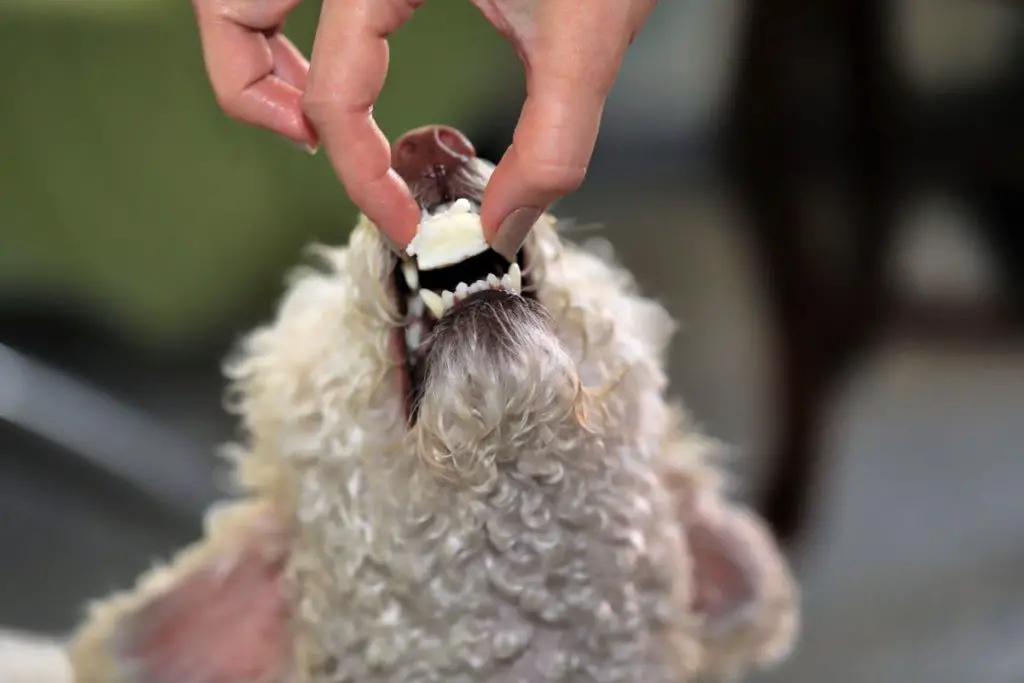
point(498, 383)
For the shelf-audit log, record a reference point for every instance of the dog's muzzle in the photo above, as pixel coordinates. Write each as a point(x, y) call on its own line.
point(499, 383)
point(484, 290)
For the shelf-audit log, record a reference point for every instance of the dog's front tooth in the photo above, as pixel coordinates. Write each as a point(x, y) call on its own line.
point(416, 306)
point(506, 282)
point(462, 291)
point(412, 276)
point(434, 302)
point(477, 286)
point(493, 280)
point(516, 276)
point(448, 299)
point(460, 205)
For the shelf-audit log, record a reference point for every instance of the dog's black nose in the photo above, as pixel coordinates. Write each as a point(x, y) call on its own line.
point(430, 151)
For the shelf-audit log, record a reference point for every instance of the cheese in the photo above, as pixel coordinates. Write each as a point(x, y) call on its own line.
point(447, 238)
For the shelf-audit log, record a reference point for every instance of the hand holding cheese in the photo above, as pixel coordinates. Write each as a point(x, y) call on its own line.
point(572, 51)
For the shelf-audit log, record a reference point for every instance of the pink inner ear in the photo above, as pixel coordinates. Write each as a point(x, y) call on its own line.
point(225, 623)
point(723, 583)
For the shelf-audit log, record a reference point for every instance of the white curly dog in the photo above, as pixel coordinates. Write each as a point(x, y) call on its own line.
point(457, 482)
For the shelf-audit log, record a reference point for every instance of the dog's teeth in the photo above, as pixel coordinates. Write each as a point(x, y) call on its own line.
point(460, 205)
point(448, 299)
point(516, 276)
point(462, 291)
point(412, 276)
point(434, 302)
point(506, 282)
point(412, 337)
point(493, 280)
point(477, 286)
point(416, 306)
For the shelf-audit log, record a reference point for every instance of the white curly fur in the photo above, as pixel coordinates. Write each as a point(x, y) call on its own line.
point(27, 658)
point(527, 529)
point(403, 578)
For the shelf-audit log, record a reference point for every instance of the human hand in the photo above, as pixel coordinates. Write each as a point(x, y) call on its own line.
point(571, 50)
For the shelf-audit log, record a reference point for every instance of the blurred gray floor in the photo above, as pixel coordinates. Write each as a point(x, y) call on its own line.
point(917, 570)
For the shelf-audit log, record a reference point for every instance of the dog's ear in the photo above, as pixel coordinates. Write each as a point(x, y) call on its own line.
point(224, 621)
point(743, 591)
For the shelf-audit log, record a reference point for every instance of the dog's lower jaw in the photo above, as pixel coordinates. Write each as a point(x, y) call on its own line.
point(498, 382)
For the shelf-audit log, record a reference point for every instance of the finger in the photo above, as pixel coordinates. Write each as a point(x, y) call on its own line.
point(569, 76)
point(289, 64)
point(240, 63)
point(349, 63)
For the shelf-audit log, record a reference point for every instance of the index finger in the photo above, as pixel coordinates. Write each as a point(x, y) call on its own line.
point(348, 66)
point(256, 79)
point(572, 59)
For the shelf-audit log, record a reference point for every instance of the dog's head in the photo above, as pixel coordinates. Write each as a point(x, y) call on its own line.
point(455, 351)
point(536, 386)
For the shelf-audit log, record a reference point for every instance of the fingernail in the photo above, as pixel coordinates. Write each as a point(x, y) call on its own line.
point(513, 231)
point(305, 147)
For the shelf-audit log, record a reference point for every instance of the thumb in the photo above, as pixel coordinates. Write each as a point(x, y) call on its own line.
point(548, 159)
point(570, 71)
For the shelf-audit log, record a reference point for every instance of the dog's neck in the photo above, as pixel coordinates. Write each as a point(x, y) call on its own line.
point(558, 538)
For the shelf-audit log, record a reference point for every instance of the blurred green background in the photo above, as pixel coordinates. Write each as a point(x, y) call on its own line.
point(122, 185)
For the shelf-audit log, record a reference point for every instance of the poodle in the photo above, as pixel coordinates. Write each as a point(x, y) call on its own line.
point(456, 482)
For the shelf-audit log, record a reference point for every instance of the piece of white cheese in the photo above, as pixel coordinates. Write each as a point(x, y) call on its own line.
point(447, 238)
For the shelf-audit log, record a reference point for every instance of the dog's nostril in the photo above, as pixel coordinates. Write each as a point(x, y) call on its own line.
point(422, 151)
point(454, 143)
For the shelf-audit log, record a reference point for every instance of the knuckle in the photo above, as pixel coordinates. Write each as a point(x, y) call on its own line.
point(554, 177)
point(207, 10)
point(227, 100)
point(315, 105)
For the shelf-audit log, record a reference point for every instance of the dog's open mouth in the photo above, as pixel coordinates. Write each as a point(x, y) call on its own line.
point(425, 295)
point(449, 262)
